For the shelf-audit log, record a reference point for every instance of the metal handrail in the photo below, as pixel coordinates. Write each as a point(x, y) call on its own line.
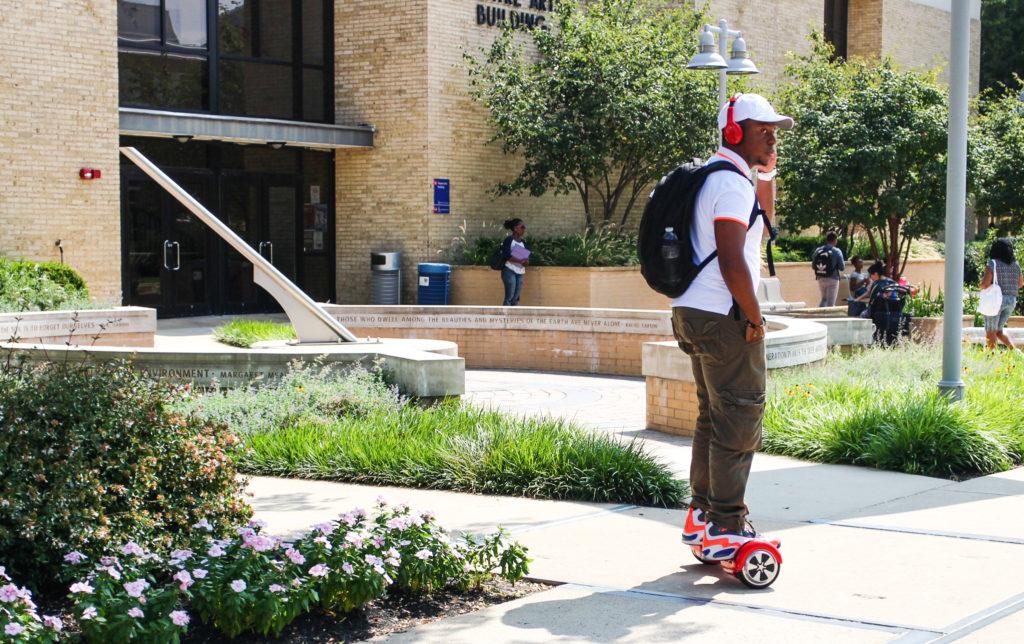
point(312, 323)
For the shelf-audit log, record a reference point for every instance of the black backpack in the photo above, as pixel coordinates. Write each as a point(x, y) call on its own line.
point(497, 261)
point(671, 204)
point(822, 261)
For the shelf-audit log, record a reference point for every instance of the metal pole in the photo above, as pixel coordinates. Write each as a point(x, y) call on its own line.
point(952, 384)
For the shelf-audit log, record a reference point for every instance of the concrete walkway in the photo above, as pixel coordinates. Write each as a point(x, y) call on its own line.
point(869, 555)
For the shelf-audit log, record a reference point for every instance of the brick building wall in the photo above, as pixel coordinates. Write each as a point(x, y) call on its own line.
point(58, 113)
point(771, 30)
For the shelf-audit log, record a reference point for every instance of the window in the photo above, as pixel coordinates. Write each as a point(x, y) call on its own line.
point(836, 15)
point(270, 58)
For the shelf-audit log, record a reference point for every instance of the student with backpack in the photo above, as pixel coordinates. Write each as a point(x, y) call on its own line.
point(716, 317)
point(511, 258)
point(828, 264)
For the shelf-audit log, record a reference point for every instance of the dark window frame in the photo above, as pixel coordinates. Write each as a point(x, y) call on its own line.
point(213, 56)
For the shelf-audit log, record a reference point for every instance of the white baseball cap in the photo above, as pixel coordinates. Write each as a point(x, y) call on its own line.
point(753, 106)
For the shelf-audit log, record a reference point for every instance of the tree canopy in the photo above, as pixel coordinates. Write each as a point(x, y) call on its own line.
point(601, 104)
point(999, 133)
point(1002, 30)
point(868, 150)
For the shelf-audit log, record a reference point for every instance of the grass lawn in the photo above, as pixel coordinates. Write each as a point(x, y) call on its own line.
point(881, 408)
point(245, 333)
point(320, 424)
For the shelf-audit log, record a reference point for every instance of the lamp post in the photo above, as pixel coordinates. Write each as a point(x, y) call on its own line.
point(707, 58)
point(952, 384)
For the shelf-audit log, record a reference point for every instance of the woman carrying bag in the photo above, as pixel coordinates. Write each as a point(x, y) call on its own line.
point(1002, 280)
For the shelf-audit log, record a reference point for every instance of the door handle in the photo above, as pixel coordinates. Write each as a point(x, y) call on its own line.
point(168, 244)
point(270, 245)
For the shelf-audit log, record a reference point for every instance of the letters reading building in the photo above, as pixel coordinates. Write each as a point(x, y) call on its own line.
point(314, 128)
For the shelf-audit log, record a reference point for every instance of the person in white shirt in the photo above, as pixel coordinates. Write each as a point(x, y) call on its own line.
point(517, 257)
point(718, 322)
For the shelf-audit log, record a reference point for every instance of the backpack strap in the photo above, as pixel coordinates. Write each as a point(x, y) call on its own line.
point(754, 214)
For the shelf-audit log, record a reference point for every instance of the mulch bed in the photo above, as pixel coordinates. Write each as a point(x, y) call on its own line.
point(392, 614)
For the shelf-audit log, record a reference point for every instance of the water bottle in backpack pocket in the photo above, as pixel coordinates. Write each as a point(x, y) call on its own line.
point(670, 254)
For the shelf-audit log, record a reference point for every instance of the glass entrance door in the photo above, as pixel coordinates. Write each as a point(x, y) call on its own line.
point(167, 249)
point(261, 209)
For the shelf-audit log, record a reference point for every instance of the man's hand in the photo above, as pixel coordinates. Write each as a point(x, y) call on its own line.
point(755, 333)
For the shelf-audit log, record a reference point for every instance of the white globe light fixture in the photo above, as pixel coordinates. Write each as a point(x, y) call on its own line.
point(708, 58)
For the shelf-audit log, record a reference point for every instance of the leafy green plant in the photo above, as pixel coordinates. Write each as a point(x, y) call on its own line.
point(350, 426)
point(245, 333)
point(600, 248)
point(881, 408)
point(41, 286)
point(94, 456)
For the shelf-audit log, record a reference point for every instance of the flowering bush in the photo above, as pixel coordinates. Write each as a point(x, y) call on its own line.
point(248, 583)
point(19, 620)
point(93, 457)
point(256, 583)
point(126, 597)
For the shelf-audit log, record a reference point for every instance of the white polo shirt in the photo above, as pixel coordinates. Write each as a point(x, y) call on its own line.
point(725, 196)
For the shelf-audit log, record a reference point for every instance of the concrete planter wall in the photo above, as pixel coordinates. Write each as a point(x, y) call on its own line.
point(123, 326)
point(623, 287)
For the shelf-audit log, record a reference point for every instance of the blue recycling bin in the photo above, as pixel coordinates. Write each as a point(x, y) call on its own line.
point(434, 280)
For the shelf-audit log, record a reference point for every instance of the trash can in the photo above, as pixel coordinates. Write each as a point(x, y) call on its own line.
point(386, 270)
point(434, 282)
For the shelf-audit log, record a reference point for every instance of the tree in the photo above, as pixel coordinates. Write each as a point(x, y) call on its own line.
point(605, 105)
point(868, 150)
point(1002, 30)
point(1000, 159)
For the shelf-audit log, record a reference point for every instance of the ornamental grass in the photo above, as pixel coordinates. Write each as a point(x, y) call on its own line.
point(881, 408)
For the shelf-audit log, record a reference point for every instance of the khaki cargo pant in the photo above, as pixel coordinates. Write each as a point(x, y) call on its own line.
point(730, 379)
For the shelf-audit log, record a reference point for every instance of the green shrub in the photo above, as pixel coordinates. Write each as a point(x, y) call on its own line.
point(35, 286)
point(319, 423)
point(245, 333)
point(93, 456)
point(602, 248)
point(882, 409)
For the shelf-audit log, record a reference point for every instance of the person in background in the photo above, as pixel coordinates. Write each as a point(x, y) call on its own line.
point(517, 257)
point(858, 278)
point(1002, 267)
point(828, 264)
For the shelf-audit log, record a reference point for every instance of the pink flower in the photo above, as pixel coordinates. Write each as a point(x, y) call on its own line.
point(181, 555)
point(179, 617)
point(276, 588)
point(215, 551)
point(397, 523)
point(136, 588)
point(9, 593)
point(257, 523)
point(323, 541)
point(354, 539)
point(374, 560)
point(238, 585)
point(132, 548)
point(319, 570)
point(13, 629)
point(347, 567)
point(199, 573)
point(185, 579)
point(424, 554)
point(135, 612)
point(74, 557)
point(89, 613)
point(203, 524)
point(108, 561)
point(53, 622)
point(324, 528)
point(110, 570)
point(81, 587)
point(295, 556)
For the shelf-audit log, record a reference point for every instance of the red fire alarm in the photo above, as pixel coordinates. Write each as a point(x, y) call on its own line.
point(89, 173)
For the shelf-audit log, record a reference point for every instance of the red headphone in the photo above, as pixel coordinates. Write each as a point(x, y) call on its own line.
point(732, 132)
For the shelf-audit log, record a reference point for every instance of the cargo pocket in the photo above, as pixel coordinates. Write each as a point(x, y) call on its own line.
point(738, 426)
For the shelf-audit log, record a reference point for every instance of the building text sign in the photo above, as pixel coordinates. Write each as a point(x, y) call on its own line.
point(520, 14)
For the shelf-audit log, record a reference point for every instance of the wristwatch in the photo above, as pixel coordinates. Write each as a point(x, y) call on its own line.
point(754, 326)
point(767, 176)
